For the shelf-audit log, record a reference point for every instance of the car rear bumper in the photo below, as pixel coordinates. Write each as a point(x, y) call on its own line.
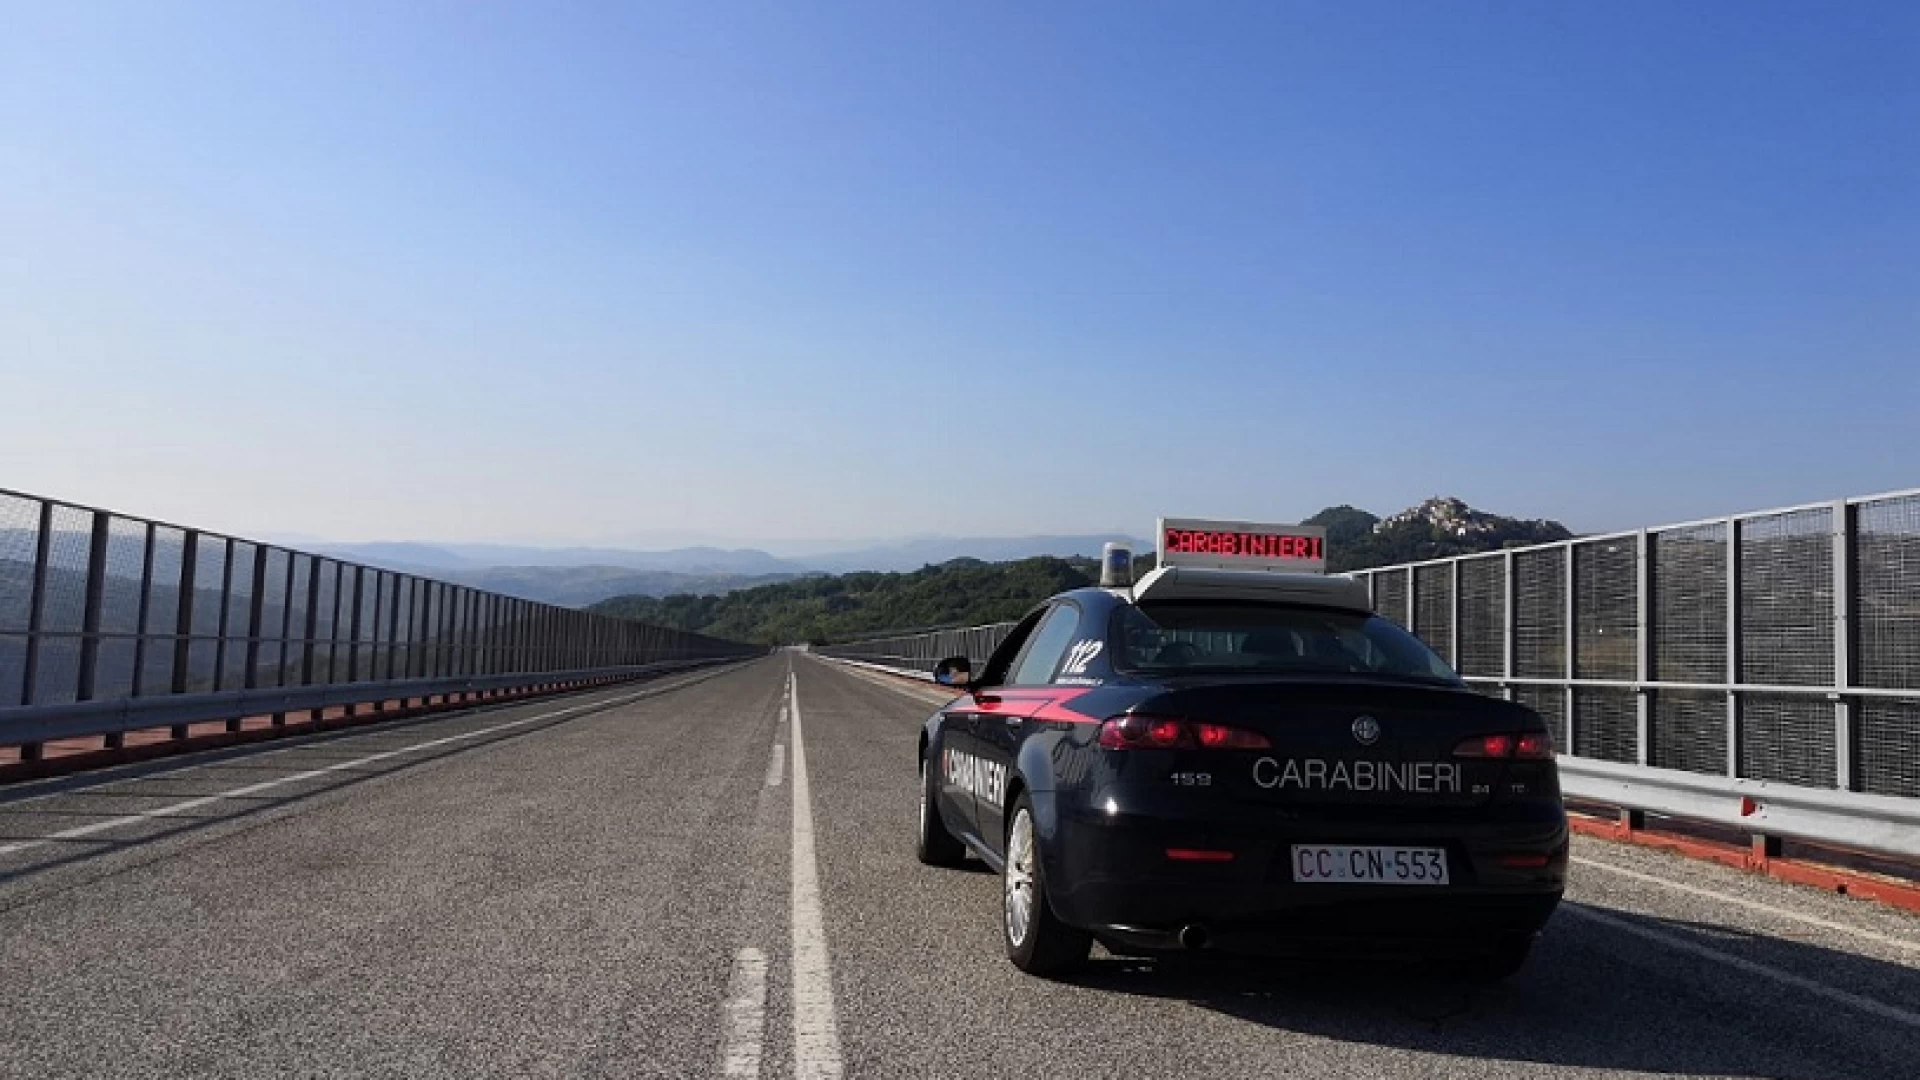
point(1111, 873)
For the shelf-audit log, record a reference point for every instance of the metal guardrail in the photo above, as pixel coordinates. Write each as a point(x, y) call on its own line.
point(109, 621)
point(1760, 670)
point(38, 723)
point(1848, 819)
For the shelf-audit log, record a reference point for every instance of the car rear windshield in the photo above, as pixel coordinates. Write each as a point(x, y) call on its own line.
point(1268, 639)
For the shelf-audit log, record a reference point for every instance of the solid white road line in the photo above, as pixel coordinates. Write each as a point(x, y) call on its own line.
point(745, 1015)
point(1754, 905)
point(189, 805)
point(1739, 963)
point(816, 1036)
point(777, 767)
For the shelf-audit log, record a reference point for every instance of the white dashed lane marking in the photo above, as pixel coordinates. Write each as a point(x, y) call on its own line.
point(776, 768)
point(745, 1015)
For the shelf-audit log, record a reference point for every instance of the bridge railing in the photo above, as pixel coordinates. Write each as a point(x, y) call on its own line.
point(1760, 670)
point(920, 650)
point(110, 622)
point(1779, 645)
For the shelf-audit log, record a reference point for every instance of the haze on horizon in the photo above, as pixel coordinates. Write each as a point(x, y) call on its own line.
point(812, 277)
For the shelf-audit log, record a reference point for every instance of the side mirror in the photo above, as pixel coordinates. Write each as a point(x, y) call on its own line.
point(956, 671)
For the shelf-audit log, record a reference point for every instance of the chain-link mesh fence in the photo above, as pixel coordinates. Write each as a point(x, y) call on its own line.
point(1483, 617)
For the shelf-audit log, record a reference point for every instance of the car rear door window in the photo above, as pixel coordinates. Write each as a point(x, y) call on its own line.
point(1049, 645)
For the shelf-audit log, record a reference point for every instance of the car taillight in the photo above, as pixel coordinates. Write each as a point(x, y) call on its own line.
point(1485, 746)
point(1144, 733)
point(1532, 746)
point(1165, 733)
point(1222, 737)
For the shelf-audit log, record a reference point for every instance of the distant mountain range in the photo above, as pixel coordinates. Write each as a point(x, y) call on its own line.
point(969, 591)
point(442, 558)
point(580, 576)
point(579, 586)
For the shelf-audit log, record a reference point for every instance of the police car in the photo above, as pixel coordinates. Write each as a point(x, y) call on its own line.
point(1236, 753)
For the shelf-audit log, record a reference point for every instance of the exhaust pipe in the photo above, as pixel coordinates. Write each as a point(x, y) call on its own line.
point(1193, 936)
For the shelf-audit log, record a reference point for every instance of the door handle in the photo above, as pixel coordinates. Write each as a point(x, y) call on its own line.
point(1013, 721)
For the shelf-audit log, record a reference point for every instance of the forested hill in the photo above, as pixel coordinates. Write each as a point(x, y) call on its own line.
point(842, 606)
point(968, 592)
point(1435, 529)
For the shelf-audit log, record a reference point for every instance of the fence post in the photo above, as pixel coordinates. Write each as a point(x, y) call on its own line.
point(1733, 646)
point(1568, 640)
point(1453, 617)
point(141, 628)
point(256, 616)
point(1643, 652)
point(88, 682)
point(356, 611)
point(1843, 585)
point(1413, 603)
point(285, 659)
point(1511, 601)
point(393, 623)
point(312, 628)
point(183, 619)
point(333, 627)
point(36, 605)
point(220, 631)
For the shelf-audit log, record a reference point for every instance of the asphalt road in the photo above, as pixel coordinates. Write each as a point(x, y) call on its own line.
point(649, 882)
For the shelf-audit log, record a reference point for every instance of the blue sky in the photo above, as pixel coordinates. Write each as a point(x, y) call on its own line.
point(619, 272)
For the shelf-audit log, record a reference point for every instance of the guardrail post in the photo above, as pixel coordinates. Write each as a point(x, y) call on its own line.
point(1843, 745)
point(1733, 646)
point(1643, 653)
point(183, 619)
point(88, 681)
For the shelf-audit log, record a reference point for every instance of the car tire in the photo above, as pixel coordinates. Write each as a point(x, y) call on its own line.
point(1038, 943)
point(935, 846)
point(1502, 960)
